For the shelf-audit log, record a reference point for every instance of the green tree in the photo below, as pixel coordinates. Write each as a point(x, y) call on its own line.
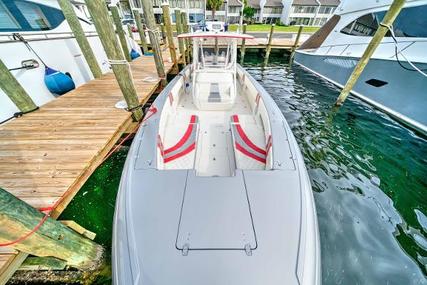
point(248, 12)
point(214, 5)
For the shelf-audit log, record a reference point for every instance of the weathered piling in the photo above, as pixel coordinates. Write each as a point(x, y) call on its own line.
point(28, 230)
point(120, 32)
point(153, 34)
point(14, 90)
point(178, 32)
point(120, 66)
point(169, 32)
point(162, 29)
point(141, 31)
point(187, 42)
point(130, 31)
point(79, 34)
point(294, 47)
point(268, 48)
point(243, 46)
point(216, 47)
point(383, 28)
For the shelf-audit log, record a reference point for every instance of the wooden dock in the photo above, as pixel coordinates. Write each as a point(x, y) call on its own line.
point(277, 43)
point(54, 150)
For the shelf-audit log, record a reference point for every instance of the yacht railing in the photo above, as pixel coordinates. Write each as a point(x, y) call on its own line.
point(40, 36)
point(409, 43)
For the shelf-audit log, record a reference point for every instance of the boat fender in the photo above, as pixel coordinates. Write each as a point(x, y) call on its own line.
point(57, 82)
point(134, 54)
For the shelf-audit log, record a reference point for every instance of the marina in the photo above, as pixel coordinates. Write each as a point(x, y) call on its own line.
point(135, 149)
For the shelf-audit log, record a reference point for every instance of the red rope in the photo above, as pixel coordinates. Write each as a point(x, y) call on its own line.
point(50, 209)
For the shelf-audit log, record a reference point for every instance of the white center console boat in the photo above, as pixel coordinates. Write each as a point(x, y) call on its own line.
point(214, 189)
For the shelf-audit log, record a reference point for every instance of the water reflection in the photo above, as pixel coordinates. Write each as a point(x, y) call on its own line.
point(369, 177)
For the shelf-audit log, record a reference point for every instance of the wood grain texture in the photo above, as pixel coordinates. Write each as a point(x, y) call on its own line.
point(55, 149)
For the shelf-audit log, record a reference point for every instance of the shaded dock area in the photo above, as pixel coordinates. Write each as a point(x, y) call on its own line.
point(47, 155)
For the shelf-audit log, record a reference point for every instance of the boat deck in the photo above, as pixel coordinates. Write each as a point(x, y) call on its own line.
point(209, 122)
point(215, 145)
point(54, 150)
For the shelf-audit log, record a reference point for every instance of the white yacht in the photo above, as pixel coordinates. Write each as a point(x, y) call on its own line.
point(214, 188)
point(395, 80)
point(35, 35)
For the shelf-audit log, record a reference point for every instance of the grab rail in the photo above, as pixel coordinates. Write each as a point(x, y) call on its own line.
point(8, 38)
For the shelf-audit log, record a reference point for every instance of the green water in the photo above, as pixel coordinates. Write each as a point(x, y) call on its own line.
point(369, 177)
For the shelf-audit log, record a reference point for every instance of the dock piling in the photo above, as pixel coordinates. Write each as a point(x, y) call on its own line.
point(14, 90)
point(141, 31)
point(243, 46)
point(383, 28)
point(169, 32)
point(162, 29)
point(28, 230)
point(120, 66)
point(120, 32)
point(130, 31)
point(187, 42)
point(178, 32)
point(268, 48)
point(79, 34)
point(294, 47)
point(154, 40)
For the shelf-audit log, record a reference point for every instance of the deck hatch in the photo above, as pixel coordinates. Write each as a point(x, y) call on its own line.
point(216, 214)
point(376, 82)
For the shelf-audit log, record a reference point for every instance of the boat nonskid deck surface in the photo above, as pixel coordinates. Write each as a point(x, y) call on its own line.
point(214, 152)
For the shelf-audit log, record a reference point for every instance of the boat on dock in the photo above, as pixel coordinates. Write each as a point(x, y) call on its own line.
point(394, 80)
point(214, 188)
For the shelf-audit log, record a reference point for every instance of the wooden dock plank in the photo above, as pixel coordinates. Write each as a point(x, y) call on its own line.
point(54, 150)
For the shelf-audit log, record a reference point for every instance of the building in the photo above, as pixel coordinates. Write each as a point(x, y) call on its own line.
point(272, 11)
point(288, 12)
point(293, 12)
point(234, 9)
point(195, 9)
point(308, 12)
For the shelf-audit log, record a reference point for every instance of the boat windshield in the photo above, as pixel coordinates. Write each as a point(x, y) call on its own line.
point(214, 53)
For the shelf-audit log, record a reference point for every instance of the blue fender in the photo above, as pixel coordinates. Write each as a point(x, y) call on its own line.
point(134, 54)
point(57, 82)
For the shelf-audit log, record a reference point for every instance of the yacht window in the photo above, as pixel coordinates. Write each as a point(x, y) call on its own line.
point(364, 26)
point(34, 15)
point(22, 16)
point(7, 21)
point(411, 22)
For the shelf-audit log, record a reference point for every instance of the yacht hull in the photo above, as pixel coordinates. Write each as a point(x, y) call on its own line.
point(384, 84)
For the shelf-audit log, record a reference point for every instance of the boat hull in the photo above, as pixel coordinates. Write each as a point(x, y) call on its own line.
point(384, 83)
point(180, 227)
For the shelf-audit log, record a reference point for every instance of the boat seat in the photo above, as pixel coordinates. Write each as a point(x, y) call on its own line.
point(179, 145)
point(214, 90)
point(248, 142)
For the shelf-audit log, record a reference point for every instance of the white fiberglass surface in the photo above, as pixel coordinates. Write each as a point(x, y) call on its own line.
point(214, 154)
